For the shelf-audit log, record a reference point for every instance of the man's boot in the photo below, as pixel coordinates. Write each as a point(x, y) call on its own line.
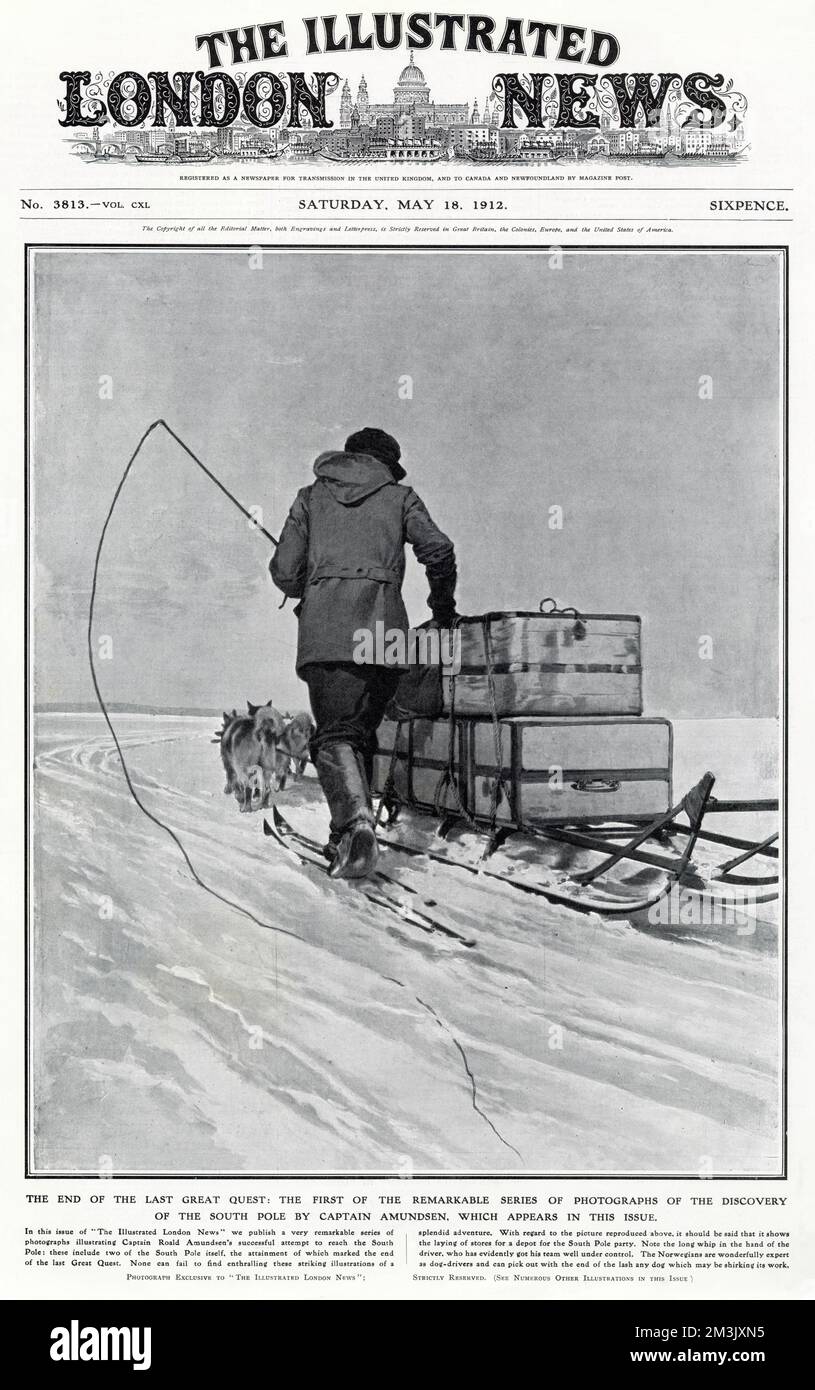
point(343, 781)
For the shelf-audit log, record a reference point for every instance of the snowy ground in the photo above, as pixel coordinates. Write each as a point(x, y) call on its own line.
point(171, 1033)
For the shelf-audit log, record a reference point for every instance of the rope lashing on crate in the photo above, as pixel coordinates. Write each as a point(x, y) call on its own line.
point(450, 777)
point(390, 798)
point(499, 787)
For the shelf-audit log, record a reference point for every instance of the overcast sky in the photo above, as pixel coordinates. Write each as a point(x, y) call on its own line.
point(532, 387)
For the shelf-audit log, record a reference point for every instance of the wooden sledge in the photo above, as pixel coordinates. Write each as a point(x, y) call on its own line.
point(665, 844)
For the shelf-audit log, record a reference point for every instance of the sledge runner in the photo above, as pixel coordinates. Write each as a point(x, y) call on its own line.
point(342, 555)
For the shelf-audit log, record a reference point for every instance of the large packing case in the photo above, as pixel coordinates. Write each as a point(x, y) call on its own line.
point(553, 770)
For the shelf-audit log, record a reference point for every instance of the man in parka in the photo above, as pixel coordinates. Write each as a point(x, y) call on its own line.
point(341, 553)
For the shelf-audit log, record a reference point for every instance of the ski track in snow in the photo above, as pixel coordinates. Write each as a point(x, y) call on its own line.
point(173, 1034)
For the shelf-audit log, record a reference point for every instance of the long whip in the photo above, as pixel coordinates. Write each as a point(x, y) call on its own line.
point(130, 786)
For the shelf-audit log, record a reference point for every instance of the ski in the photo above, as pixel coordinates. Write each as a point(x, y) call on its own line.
point(610, 904)
point(378, 888)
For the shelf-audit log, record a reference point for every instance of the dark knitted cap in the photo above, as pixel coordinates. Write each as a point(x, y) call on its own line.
point(383, 447)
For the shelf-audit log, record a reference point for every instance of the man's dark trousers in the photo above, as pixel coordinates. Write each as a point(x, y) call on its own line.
point(348, 703)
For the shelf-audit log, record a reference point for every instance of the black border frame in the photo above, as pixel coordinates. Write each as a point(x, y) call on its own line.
point(397, 249)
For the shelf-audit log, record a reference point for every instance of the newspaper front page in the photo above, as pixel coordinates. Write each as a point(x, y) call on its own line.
point(399, 588)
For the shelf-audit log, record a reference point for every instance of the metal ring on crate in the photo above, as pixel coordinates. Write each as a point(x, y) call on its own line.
point(555, 612)
point(595, 784)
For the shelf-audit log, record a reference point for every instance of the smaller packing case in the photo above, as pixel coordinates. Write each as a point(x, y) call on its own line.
point(547, 663)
